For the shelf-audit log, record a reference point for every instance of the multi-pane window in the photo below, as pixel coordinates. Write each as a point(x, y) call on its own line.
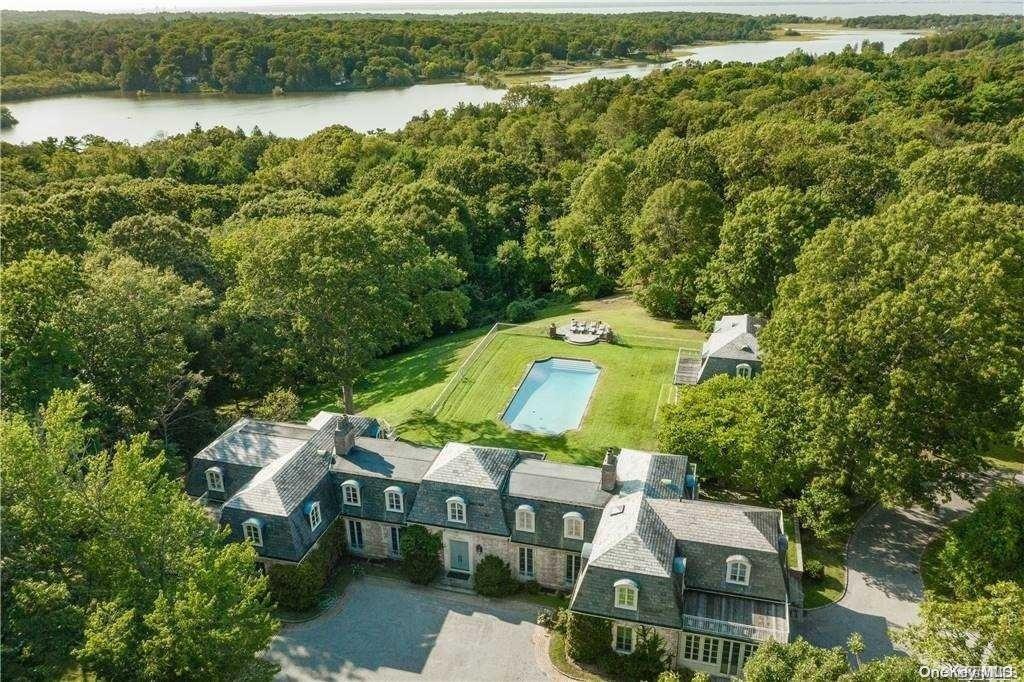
point(355, 534)
point(350, 493)
point(215, 479)
point(737, 570)
point(572, 526)
point(456, 510)
point(710, 653)
point(314, 515)
point(743, 371)
point(525, 518)
point(526, 562)
point(691, 648)
point(253, 533)
point(572, 568)
point(393, 499)
point(625, 594)
point(625, 639)
point(394, 545)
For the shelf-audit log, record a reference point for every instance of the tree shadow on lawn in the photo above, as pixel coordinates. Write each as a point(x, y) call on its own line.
point(428, 430)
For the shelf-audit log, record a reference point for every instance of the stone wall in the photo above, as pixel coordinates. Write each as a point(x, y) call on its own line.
point(548, 565)
point(376, 539)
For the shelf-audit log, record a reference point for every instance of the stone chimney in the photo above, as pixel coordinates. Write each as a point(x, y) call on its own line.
point(344, 436)
point(608, 477)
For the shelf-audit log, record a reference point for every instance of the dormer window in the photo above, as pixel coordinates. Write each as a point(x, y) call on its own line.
point(252, 530)
point(572, 525)
point(393, 499)
point(626, 593)
point(456, 509)
point(350, 493)
point(737, 570)
point(215, 479)
point(743, 371)
point(313, 514)
point(525, 518)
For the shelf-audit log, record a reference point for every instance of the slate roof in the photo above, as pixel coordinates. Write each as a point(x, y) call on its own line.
point(362, 425)
point(632, 538)
point(708, 533)
point(471, 465)
point(283, 484)
point(389, 459)
point(251, 442)
point(653, 473)
point(571, 484)
point(733, 337)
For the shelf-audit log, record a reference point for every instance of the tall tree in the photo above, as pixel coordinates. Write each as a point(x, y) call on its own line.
point(107, 562)
point(335, 293)
point(675, 234)
point(900, 339)
point(134, 328)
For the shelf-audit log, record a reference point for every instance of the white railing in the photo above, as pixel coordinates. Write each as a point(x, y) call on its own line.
point(727, 629)
point(453, 382)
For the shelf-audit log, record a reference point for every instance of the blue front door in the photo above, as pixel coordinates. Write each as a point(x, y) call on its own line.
point(459, 555)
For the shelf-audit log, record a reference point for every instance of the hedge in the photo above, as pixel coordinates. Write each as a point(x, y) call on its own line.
point(297, 587)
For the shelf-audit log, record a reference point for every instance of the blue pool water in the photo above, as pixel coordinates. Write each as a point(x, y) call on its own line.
point(553, 397)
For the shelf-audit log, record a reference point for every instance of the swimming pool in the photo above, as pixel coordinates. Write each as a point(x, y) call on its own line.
point(553, 397)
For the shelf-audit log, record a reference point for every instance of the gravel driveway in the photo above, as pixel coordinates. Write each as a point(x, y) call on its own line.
point(389, 630)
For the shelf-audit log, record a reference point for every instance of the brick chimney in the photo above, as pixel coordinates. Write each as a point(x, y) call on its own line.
point(344, 436)
point(608, 477)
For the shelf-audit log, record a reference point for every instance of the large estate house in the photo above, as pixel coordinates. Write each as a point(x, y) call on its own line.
point(629, 539)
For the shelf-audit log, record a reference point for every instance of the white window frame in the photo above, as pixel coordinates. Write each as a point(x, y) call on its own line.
point(691, 647)
point(253, 532)
point(392, 493)
point(573, 566)
point(615, 638)
point(526, 520)
point(456, 509)
point(393, 539)
point(743, 371)
point(350, 489)
point(215, 480)
point(526, 565)
point(627, 594)
point(314, 516)
point(741, 564)
point(710, 649)
point(569, 527)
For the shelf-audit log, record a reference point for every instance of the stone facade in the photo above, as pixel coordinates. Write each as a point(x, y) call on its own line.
point(548, 565)
point(376, 538)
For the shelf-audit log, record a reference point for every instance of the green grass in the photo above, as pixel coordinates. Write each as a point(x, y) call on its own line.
point(546, 599)
point(794, 546)
point(635, 381)
point(1007, 457)
point(830, 588)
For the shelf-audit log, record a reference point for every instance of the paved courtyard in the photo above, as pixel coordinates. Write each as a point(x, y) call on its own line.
point(388, 630)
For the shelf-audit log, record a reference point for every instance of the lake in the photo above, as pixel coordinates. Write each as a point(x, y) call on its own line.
point(139, 120)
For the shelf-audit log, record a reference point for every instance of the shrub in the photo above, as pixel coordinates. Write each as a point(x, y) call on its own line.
point(280, 405)
point(493, 578)
point(587, 639)
point(522, 311)
point(297, 587)
point(647, 662)
point(421, 554)
point(814, 569)
point(669, 676)
point(553, 620)
point(986, 546)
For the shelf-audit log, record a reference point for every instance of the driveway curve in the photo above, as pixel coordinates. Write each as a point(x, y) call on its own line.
point(884, 587)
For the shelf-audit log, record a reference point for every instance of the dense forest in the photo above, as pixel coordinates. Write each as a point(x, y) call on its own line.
point(871, 206)
point(251, 53)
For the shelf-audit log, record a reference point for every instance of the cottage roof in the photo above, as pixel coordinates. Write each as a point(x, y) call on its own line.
point(734, 337)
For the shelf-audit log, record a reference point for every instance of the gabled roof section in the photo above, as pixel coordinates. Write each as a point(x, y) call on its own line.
point(472, 466)
point(632, 538)
point(282, 485)
point(734, 337)
point(256, 443)
point(361, 425)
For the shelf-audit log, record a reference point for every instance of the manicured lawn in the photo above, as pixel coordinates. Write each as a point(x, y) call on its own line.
point(1007, 457)
point(635, 380)
point(830, 588)
point(559, 659)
